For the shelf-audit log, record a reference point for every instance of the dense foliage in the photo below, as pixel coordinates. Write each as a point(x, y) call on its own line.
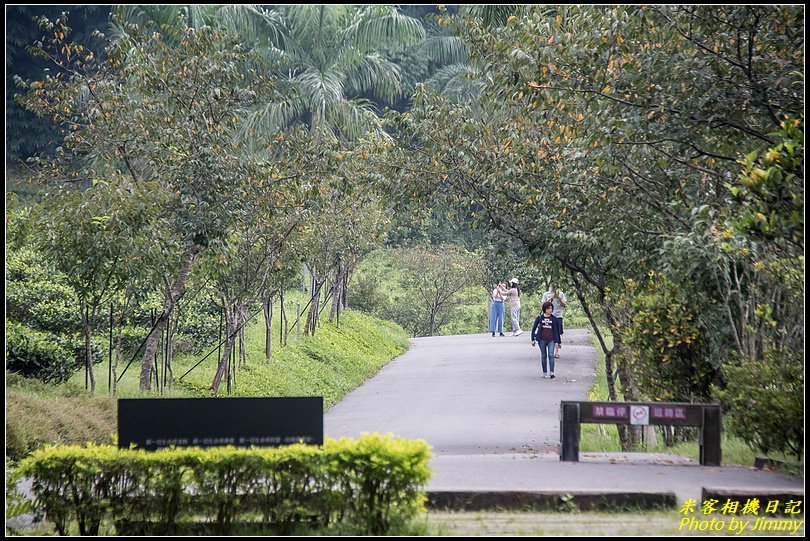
point(606, 140)
point(37, 354)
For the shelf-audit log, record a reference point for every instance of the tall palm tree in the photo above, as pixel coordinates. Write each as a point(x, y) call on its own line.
point(330, 63)
point(327, 60)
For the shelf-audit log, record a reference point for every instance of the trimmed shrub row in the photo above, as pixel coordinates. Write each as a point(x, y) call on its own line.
point(368, 486)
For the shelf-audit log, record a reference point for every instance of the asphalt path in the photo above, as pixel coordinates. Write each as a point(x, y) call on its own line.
point(493, 421)
point(470, 394)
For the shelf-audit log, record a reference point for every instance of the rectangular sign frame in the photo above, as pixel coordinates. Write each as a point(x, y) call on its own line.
point(155, 423)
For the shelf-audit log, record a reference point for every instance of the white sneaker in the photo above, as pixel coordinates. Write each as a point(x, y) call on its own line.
point(518, 332)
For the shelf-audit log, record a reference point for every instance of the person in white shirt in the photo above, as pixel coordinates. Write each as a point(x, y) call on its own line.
point(557, 299)
point(514, 306)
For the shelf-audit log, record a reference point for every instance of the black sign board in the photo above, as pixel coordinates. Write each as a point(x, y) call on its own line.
point(152, 423)
point(659, 413)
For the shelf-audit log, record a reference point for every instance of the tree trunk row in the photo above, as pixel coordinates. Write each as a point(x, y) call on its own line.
point(171, 296)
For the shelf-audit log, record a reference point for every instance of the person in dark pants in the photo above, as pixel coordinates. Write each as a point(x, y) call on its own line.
point(546, 331)
point(557, 299)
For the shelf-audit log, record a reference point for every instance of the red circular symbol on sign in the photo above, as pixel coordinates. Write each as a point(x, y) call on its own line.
point(639, 413)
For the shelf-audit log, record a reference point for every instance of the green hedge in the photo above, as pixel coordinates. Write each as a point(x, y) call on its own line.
point(368, 486)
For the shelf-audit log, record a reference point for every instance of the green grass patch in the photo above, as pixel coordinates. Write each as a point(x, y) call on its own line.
point(331, 364)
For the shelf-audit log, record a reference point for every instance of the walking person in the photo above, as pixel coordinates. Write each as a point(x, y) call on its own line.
point(496, 312)
point(546, 331)
point(514, 306)
point(557, 299)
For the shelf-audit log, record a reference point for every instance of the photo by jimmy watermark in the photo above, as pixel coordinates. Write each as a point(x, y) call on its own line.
point(753, 516)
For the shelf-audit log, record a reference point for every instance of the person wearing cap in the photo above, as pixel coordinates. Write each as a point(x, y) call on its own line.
point(513, 294)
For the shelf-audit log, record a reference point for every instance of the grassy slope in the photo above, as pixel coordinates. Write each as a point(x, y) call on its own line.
point(332, 363)
point(39, 414)
point(335, 361)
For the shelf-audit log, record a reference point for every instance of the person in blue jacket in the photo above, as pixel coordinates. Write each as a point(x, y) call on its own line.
point(546, 330)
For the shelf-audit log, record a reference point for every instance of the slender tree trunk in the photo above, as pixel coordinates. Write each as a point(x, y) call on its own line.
point(609, 374)
point(267, 305)
point(285, 320)
point(629, 436)
point(88, 346)
point(337, 293)
point(119, 339)
point(230, 326)
point(345, 290)
point(312, 315)
point(283, 324)
point(169, 352)
point(169, 300)
point(242, 321)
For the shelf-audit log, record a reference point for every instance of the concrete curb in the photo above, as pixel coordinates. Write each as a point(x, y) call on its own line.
point(549, 501)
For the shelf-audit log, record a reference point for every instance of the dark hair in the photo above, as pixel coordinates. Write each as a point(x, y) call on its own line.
point(513, 284)
point(546, 306)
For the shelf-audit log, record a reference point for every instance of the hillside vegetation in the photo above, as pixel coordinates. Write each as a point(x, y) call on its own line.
point(331, 364)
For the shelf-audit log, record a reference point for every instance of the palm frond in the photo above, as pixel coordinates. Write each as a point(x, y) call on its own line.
point(270, 59)
point(271, 118)
point(253, 24)
point(445, 49)
point(355, 119)
point(374, 75)
point(493, 15)
point(199, 15)
point(383, 27)
point(323, 90)
point(310, 24)
point(459, 82)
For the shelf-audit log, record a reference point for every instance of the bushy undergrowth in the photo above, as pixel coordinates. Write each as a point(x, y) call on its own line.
point(605, 438)
point(44, 321)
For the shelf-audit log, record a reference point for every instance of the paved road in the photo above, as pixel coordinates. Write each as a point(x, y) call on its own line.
point(493, 422)
point(469, 394)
